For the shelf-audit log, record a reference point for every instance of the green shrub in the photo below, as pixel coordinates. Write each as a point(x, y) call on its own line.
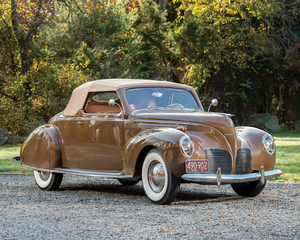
point(50, 89)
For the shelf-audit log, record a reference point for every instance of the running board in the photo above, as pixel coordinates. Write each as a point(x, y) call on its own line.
point(92, 173)
point(88, 173)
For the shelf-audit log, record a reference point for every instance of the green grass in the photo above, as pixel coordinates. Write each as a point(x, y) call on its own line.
point(287, 157)
point(7, 152)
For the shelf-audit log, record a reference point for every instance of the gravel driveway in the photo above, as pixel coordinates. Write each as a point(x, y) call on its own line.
point(94, 208)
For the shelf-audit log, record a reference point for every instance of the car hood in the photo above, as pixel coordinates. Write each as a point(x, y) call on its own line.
point(221, 121)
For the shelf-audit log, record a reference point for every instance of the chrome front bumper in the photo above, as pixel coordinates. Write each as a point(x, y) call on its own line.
point(218, 178)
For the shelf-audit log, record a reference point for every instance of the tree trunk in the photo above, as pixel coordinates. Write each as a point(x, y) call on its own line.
point(22, 41)
point(163, 5)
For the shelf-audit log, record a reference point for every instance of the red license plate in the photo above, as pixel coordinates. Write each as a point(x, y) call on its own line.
point(196, 166)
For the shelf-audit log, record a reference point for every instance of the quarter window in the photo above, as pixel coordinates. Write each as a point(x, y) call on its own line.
point(105, 96)
point(98, 103)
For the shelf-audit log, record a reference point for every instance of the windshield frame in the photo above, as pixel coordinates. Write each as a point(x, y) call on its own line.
point(129, 111)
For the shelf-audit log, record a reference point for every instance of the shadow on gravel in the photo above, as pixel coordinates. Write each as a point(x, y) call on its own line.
point(201, 197)
point(105, 188)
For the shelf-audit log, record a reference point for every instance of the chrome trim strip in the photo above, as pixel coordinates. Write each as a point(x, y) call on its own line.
point(35, 168)
point(230, 178)
point(80, 172)
point(145, 126)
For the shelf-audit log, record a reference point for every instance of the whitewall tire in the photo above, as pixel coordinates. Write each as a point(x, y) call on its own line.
point(47, 180)
point(160, 185)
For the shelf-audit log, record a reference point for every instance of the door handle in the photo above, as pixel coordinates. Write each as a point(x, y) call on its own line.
point(80, 123)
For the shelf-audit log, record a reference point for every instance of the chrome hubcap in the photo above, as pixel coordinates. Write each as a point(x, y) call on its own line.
point(156, 176)
point(44, 175)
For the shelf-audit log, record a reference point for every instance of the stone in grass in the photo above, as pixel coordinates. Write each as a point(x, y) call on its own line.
point(29, 127)
point(15, 139)
point(3, 135)
point(264, 121)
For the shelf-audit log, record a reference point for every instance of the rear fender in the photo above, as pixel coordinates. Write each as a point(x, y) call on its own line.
point(41, 149)
point(166, 140)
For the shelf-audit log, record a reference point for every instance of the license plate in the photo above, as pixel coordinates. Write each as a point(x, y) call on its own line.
point(196, 166)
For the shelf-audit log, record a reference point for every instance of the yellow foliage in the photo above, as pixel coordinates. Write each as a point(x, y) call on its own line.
point(231, 37)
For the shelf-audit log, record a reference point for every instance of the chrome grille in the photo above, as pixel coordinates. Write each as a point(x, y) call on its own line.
point(243, 161)
point(218, 158)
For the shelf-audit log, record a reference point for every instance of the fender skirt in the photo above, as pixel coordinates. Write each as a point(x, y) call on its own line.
point(41, 149)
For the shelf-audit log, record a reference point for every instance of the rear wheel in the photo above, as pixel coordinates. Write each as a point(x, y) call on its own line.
point(47, 180)
point(160, 185)
point(249, 189)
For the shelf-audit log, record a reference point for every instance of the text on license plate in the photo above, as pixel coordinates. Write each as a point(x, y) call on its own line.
point(196, 166)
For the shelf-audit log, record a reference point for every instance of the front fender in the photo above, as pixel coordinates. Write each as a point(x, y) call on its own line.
point(41, 149)
point(166, 140)
point(253, 136)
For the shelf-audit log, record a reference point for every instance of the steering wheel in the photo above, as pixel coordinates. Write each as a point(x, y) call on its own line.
point(177, 104)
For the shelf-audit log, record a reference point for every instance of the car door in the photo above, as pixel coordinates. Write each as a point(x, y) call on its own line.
point(101, 138)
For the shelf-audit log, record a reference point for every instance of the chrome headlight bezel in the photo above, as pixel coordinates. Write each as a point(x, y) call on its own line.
point(187, 146)
point(269, 144)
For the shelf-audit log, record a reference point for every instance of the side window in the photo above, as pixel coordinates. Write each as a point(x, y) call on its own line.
point(98, 103)
point(105, 96)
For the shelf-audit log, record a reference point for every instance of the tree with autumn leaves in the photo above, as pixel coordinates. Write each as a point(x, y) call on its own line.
point(245, 53)
point(237, 51)
point(245, 57)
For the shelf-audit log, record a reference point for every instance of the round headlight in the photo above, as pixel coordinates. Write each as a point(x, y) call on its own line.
point(268, 144)
point(187, 146)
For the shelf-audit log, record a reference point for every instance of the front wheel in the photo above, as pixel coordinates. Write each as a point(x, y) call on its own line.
point(160, 185)
point(46, 180)
point(249, 189)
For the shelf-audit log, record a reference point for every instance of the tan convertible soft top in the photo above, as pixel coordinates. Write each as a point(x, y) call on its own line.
point(80, 93)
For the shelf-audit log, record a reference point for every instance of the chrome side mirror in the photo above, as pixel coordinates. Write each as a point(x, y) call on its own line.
point(214, 102)
point(112, 103)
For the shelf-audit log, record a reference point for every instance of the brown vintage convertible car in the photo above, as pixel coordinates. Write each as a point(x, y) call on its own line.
point(154, 131)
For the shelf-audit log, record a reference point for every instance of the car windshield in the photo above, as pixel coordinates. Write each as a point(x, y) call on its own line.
point(156, 98)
